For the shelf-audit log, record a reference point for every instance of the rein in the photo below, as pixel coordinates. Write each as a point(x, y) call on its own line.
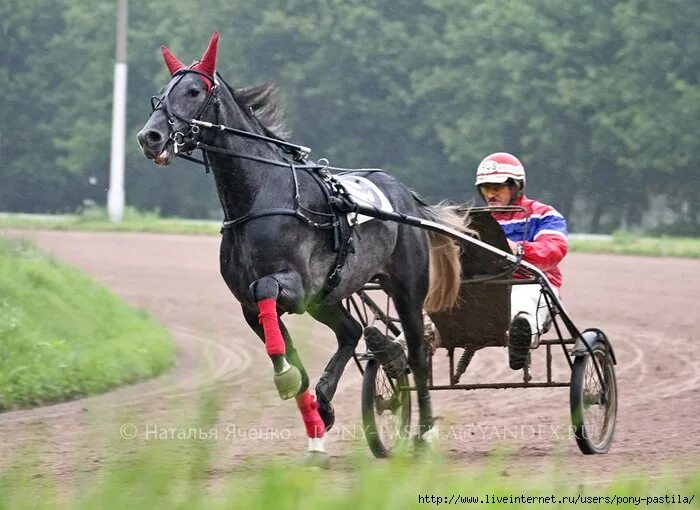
point(300, 152)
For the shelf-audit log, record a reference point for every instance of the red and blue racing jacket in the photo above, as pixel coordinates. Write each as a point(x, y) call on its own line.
point(546, 243)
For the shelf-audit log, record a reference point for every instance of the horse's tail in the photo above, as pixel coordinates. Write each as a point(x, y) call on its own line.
point(445, 263)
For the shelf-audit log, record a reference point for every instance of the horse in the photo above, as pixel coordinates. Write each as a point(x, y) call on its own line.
point(276, 253)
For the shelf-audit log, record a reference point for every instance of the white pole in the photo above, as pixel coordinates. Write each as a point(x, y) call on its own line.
point(115, 196)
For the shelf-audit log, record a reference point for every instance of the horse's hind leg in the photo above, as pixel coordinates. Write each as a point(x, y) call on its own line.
point(348, 332)
point(410, 312)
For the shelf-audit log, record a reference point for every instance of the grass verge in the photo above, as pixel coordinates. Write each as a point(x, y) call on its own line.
point(96, 219)
point(62, 335)
point(626, 243)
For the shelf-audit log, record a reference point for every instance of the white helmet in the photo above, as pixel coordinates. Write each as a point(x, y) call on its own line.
point(498, 167)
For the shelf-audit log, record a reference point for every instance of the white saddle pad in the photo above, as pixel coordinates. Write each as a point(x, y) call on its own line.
point(364, 192)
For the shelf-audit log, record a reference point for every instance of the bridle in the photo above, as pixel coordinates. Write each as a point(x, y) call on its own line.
point(298, 152)
point(177, 138)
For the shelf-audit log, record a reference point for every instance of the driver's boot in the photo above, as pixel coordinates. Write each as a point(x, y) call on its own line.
point(387, 351)
point(519, 340)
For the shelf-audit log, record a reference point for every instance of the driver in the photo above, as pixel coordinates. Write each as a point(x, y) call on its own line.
point(500, 180)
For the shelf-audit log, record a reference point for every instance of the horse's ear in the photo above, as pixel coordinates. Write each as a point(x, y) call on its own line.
point(174, 65)
point(207, 64)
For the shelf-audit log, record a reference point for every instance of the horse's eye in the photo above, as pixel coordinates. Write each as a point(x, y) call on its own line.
point(193, 92)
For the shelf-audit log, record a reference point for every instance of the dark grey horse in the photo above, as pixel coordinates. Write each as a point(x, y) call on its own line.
point(280, 260)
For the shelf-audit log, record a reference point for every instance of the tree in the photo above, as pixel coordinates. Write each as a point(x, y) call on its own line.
point(598, 99)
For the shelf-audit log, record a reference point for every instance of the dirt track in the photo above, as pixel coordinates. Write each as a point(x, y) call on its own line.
point(647, 306)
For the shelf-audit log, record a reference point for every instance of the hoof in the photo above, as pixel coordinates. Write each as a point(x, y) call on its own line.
point(317, 460)
point(326, 410)
point(288, 383)
point(423, 448)
point(424, 445)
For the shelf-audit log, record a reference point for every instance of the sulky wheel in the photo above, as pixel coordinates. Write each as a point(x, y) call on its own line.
point(594, 403)
point(386, 409)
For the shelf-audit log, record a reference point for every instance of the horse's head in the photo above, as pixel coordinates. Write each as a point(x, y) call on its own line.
point(190, 95)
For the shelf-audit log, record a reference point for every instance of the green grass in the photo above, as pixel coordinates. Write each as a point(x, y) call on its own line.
point(63, 335)
point(626, 243)
point(177, 475)
point(96, 219)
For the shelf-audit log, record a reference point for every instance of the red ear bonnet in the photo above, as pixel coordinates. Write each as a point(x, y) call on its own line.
point(206, 65)
point(208, 62)
point(174, 65)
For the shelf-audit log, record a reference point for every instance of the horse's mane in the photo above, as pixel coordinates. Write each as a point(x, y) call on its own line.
point(262, 101)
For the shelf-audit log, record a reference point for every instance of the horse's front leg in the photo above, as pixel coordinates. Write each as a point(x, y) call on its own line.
point(348, 332)
point(274, 295)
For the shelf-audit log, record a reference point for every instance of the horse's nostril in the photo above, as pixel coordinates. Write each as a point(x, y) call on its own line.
point(149, 138)
point(153, 137)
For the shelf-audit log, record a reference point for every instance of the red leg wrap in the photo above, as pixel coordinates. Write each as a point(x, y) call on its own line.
point(274, 341)
point(308, 406)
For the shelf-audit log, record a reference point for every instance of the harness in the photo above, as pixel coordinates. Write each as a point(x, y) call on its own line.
point(339, 201)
